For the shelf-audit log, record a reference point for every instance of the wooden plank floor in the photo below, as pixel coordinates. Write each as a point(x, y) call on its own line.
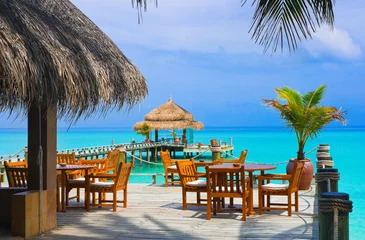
point(154, 212)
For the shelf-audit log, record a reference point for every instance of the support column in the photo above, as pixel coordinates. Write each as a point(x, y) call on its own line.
point(156, 135)
point(42, 140)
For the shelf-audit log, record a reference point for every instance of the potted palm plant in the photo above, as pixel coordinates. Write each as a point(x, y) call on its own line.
point(304, 115)
point(174, 135)
point(145, 131)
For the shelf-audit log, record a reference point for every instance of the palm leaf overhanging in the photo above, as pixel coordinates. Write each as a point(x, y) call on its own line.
point(303, 114)
point(280, 22)
point(285, 22)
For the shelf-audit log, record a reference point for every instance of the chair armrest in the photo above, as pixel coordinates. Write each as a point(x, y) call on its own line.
point(102, 176)
point(187, 175)
point(274, 177)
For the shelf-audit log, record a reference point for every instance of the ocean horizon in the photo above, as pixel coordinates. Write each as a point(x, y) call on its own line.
point(272, 145)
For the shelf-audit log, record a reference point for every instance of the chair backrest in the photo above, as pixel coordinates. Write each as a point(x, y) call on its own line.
point(166, 158)
point(101, 166)
point(113, 157)
point(186, 167)
point(296, 175)
point(240, 160)
point(20, 164)
point(68, 158)
point(124, 171)
point(17, 176)
point(226, 181)
point(243, 156)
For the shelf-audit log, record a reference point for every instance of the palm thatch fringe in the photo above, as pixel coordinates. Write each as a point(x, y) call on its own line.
point(52, 54)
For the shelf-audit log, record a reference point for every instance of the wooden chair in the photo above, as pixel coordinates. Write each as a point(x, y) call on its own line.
point(17, 176)
point(270, 189)
point(190, 182)
point(19, 164)
point(240, 160)
point(119, 182)
point(68, 158)
point(79, 182)
point(170, 168)
point(227, 183)
point(113, 157)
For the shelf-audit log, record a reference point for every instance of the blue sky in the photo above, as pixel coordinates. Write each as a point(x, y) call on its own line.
point(201, 54)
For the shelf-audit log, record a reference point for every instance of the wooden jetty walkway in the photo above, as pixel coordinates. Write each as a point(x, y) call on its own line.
point(154, 212)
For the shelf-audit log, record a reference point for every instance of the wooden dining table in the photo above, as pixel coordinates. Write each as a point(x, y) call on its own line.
point(250, 168)
point(63, 170)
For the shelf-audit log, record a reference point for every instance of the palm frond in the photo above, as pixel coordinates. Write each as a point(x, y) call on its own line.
point(293, 97)
point(278, 21)
point(312, 98)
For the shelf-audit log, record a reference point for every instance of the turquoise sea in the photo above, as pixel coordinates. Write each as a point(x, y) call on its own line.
point(265, 145)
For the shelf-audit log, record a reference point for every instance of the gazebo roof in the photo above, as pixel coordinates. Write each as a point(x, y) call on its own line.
point(170, 116)
point(52, 54)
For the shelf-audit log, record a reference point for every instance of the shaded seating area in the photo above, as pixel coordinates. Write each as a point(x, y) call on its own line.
point(269, 189)
point(117, 182)
point(100, 167)
point(17, 173)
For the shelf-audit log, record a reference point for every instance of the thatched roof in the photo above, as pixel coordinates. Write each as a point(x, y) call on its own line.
point(169, 116)
point(51, 53)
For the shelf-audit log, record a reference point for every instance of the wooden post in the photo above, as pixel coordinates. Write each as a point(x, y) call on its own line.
point(155, 154)
point(26, 153)
point(42, 141)
point(140, 157)
point(132, 155)
point(216, 153)
point(334, 208)
point(148, 154)
point(184, 136)
point(156, 135)
point(153, 178)
point(325, 176)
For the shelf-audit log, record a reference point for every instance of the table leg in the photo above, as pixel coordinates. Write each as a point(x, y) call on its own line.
point(86, 193)
point(63, 190)
point(251, 193)
point(262, 182)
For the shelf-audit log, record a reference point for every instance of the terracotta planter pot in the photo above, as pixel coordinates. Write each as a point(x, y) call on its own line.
point(307, 175)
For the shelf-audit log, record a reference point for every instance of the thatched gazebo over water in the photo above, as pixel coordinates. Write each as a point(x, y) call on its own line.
point(169, 116)
point(55, 62)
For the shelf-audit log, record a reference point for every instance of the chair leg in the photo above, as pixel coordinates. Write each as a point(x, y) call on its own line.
point(114, 201)
point(125, 198)
point(243, 209)
point(67, 196)
point(198, 199)
point(268, 201)
point(215, 206)
point(184, 199)
point(78, 194)
point(166, 180)
point(100, 200)
point(289, 205)
point(296, 201)
point(172, 179)
point(260, 201)
point(209, 207)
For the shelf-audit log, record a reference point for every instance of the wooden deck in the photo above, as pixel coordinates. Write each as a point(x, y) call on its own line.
point(154, 212)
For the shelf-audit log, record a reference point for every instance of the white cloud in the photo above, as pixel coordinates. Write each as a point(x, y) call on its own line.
point(337, 43)
point(211, 26)
point(202, 26)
